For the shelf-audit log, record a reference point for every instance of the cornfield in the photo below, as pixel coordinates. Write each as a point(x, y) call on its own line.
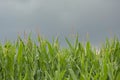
point(48, 61)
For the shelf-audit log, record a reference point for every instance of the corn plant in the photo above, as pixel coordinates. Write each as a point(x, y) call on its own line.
point(43, 60)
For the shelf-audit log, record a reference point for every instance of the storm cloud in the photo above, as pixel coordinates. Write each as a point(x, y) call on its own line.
point(98, 18)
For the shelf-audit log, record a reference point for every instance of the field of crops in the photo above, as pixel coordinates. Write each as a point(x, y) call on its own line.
point(43, 60)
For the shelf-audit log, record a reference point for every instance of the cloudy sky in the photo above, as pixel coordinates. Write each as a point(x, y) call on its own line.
point(98, 18)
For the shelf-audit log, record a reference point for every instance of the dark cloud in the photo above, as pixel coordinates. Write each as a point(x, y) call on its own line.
point(99, 18)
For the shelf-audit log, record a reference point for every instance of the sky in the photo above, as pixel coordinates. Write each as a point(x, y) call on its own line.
point(100, 19)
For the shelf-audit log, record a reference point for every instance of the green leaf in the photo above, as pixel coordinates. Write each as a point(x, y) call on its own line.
point(19, 56)
point(118, 76)
point(74, 77)
point(69, 44)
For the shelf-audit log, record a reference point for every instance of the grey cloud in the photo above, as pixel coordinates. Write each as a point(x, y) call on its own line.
point(97, 17)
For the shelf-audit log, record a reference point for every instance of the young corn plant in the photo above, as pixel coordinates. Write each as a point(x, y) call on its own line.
point(43, 60)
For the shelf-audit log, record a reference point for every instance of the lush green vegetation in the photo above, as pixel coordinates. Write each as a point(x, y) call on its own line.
point(47, 61)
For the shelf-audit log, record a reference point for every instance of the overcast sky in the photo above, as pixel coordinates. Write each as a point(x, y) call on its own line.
point(98, 18)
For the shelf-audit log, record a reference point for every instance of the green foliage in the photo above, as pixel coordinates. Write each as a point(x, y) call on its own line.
point(47, 61)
